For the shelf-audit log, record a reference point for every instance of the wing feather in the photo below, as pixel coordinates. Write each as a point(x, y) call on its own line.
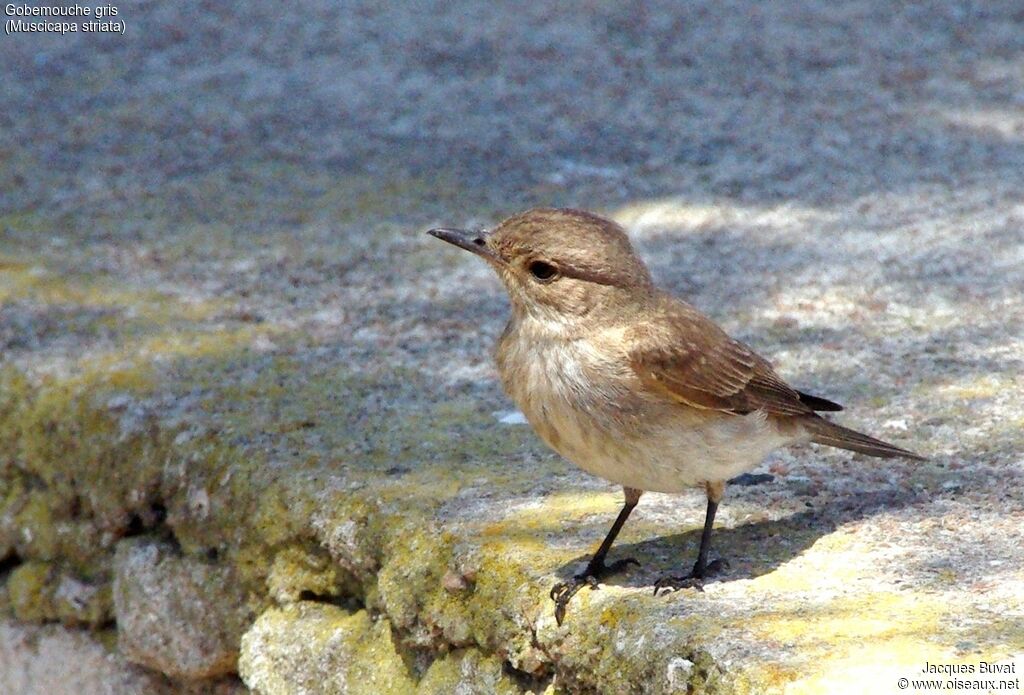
point(684, 354)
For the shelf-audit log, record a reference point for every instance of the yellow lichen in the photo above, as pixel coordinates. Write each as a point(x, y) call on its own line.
point(467, 671)
point(30, 589)
point(313, 647)
point(297, 571)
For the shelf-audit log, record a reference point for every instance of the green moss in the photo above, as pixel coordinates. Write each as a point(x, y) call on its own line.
point(373, 420)
point(15, 396)
point(310, 647)
point(30, 587)
point(467, 670)
point(376, 663)
point(37, 533)
point(12, 500)
point(298, 571)
point(503, 595)
point(91, 461)
point(64, 288)
point(75, 443)
point(602, 646)
point(411, 588)
point(41, 591)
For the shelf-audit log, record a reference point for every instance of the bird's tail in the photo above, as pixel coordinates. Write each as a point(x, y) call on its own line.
point(824, 432)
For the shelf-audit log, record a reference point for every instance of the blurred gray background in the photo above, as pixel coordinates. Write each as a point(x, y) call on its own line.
point(233, 195)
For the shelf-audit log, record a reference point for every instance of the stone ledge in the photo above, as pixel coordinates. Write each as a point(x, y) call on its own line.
point(439, 574)
point(54, 660)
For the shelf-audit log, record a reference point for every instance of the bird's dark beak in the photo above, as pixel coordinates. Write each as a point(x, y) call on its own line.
point(474, 242)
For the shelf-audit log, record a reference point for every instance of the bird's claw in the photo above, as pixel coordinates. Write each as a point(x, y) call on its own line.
point(562, 592)
point(677, 582)
point(693, 580)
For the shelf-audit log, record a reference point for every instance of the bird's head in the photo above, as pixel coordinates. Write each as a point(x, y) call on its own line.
point(559, 264)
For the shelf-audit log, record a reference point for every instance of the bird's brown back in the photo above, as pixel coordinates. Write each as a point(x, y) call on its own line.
point(679, 351)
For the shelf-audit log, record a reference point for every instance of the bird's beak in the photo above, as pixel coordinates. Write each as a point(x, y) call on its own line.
point(474, 242)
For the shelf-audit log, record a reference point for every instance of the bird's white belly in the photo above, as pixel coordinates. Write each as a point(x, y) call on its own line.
point(671, 455)
point(647, 444)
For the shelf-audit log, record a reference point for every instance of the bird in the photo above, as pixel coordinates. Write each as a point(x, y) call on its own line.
point(631, 383)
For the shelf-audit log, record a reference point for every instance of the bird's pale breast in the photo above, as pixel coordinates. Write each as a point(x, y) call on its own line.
point(583, 399)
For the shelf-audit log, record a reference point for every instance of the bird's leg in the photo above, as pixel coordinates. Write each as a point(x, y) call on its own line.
point(563, 592)
point(702, 568)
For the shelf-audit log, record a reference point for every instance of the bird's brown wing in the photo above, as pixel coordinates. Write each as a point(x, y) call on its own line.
point(682, 353)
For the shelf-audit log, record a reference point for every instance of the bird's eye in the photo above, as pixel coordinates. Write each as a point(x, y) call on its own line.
point(543, 271)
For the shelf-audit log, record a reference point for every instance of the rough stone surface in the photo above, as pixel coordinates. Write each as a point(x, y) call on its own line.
point(221, 326)
point(49, 660)
point(178, 616)
point(315, 648)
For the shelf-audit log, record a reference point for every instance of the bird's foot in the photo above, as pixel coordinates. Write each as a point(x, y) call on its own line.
point(693, 580)
point(562, 592)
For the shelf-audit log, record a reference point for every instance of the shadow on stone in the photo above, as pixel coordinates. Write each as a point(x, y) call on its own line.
point(751, 549)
